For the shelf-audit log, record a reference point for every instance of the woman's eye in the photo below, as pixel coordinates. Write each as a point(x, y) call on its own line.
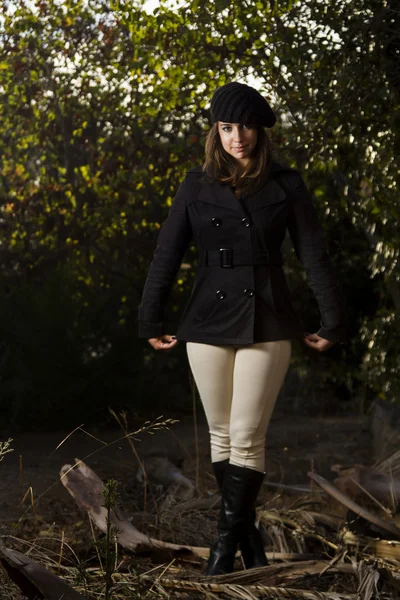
point(226, 128)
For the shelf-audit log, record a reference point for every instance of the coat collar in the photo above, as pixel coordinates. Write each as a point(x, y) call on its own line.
point(224, 196)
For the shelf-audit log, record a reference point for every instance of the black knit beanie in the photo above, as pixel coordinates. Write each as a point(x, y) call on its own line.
point(240, 103)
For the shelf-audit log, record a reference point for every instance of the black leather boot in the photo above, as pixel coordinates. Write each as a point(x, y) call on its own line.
point(239, 493)
point(251, 543)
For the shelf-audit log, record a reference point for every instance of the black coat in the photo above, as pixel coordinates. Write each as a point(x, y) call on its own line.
point(250, 301)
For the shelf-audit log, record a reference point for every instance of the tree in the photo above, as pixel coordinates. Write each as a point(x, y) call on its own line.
point(104, 107)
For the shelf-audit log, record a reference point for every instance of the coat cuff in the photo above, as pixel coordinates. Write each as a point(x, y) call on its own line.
point(333, 335)
point(150, 329)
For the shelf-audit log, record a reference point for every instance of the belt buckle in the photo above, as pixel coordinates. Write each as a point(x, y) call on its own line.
point(225, 256)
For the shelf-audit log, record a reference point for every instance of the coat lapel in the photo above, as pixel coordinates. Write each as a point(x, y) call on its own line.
point(270, 193)
point(223, 195)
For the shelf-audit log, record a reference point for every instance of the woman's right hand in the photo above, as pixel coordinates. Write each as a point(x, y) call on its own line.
point(164, 342)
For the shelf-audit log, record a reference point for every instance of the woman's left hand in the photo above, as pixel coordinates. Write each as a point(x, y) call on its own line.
point(312, 340)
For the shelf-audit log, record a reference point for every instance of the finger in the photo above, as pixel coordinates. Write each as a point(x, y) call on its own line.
point(327, 346)
point(321, 345)
point(165, 342)
point(311, 344)
point(167, 345)
point(170, 341)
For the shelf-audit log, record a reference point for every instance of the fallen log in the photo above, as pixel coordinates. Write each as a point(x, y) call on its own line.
point(35, 581)
point(87, 489)
point(353, 506)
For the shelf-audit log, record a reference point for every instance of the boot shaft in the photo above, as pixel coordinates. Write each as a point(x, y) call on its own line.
point(219, 470)
point(239, 494)
point(239, 488)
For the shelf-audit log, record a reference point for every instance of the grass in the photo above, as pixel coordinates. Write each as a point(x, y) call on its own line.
point(66, 542)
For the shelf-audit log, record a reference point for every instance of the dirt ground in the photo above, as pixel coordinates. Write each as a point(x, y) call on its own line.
point(38, 512)
point(294, 446)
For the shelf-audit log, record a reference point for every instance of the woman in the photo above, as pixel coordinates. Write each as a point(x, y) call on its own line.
point(239, 320)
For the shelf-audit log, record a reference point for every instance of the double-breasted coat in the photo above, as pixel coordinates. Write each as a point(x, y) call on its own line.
point(240, 294)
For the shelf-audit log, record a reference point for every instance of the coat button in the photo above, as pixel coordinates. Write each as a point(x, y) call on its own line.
point(220, 294)
point(246, 222)
point(249, 293)
point(216, 221)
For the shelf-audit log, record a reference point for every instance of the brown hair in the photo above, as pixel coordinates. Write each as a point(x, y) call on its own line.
point(221, 166)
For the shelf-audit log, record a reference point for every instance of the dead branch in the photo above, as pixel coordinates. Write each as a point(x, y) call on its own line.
point(351, 505)
point(87, 489)
point(381, 486)
point(35, 581)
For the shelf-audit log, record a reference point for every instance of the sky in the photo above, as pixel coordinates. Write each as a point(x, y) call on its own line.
point(150, 5)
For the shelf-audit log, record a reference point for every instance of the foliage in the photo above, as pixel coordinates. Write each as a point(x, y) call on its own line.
point(104, 108)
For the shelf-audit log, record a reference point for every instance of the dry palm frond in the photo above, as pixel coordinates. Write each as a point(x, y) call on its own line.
point(306, 517)
point(280, 534)
point(368, 580)
point(385, 549)
point(278, 537)
point(276, 574)
point(274, 515)
point(312, 519)
point(390, 464)
point(329, 520)
point(353, 506)
point(253, 592)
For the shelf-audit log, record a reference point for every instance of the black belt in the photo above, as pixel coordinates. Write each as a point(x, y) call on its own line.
point(231, 257)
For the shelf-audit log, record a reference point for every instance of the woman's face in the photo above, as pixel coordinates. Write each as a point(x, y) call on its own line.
point(238, 140)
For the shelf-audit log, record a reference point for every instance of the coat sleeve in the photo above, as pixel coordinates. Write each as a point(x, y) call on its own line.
point(172, 242)
point(309, 242)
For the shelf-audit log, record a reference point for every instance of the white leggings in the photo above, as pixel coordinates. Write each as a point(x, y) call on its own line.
point(238, 387)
